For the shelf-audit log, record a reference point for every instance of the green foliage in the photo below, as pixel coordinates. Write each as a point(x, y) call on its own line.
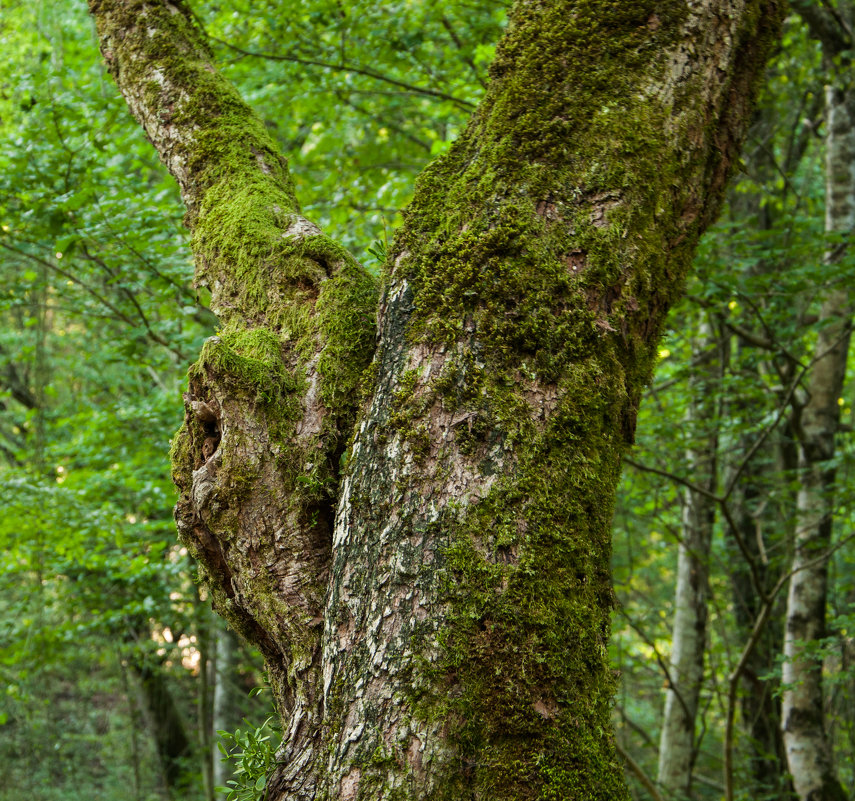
point(253, 754)
point(360, 96)
point(98, 322)
point(761, 269)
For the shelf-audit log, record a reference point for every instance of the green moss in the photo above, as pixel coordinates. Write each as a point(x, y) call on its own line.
point(541, 252)
point(523, 681)
point(544, 247)
point(503, 225)
point(346, 323)
point(181, 453)
point(250, 362)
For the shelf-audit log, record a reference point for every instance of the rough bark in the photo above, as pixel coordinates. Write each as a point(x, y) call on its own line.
point(272, 398)
point(808, 753)
point(470, 596)
point(457, 617)
point(677, 749)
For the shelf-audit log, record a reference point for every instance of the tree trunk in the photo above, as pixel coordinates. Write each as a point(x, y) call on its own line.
point(446, 637)
point(688, 643)
point(759, 702)
point(761, 507)
point(173, 746)
point(808, 753)
point(226, 707)
point(807, 745)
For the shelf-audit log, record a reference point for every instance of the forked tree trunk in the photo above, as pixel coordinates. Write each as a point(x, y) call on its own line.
point(446, 636)
point(677, 748)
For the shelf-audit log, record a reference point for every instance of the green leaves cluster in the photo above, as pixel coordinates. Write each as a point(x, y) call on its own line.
point(252, 751)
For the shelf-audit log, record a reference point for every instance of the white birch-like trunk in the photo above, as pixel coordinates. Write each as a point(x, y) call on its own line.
point(686, 668)
point(225, 715)
point(807, 746)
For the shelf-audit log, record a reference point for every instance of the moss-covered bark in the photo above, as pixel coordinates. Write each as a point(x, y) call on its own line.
point(466, 629)
point(462, 604)
point(272, 399)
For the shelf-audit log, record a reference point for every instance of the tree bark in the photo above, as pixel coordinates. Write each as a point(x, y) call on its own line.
point(447, 637)
point(677, 749)
point(809, 756)
point(808, 753)
point(226, 706)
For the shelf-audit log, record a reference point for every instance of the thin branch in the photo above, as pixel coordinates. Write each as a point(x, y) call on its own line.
point(639, 772)
point(805, 128)
point(826, 25)
point(385, 123)
point(120, 315)
point(153, 335)
point(722, 500)
point(708, 782)
point(660, 660)
point(689, 485)
point(343, 67)
point(626, 720)
point(466, 59)
point(16, 386)
point(70, 277)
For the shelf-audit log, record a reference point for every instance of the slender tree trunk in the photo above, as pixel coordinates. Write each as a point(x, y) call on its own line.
point(226, 713)
point(677, 747)
point(173, 746)
point(763, 530)
point(446, 637)
point(759, 701)
point(207, 646)
point(808, 753)
point(761, 508)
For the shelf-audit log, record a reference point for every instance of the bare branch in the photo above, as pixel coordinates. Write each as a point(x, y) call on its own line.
point(346, 67)
point(639, 772)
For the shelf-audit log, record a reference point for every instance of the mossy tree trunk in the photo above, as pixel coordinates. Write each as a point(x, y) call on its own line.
point(435, 620)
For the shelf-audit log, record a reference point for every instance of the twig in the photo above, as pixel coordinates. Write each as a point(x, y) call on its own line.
point(639, 772)
point(344, 67)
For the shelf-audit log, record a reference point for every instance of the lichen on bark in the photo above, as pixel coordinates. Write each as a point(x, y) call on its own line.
point(272, 397)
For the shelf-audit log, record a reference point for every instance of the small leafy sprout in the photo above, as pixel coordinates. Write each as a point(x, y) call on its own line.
point(253, 756)
point(378, 250)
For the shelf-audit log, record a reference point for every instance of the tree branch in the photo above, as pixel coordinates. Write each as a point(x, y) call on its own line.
point(826, 25)
point(345, 67)
point(639, 773)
